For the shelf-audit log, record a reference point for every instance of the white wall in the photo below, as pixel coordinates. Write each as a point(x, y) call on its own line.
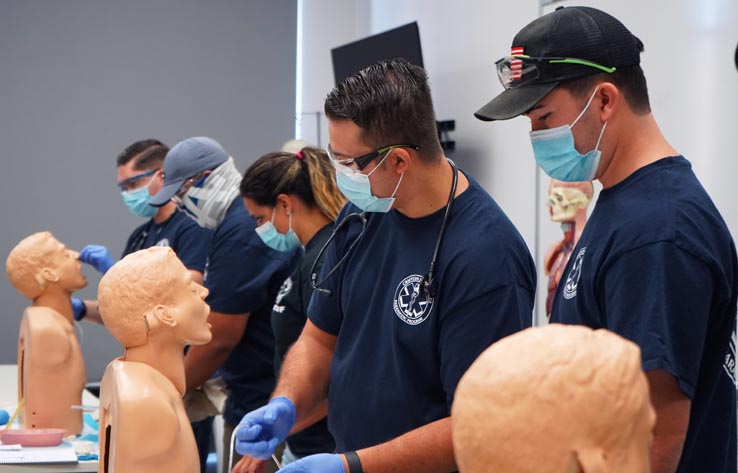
point(688, 62)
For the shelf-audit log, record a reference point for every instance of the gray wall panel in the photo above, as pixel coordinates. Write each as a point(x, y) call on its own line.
point(82, 79)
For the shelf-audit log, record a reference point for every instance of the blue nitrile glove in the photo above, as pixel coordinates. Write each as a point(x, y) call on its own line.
point(79, 309)
point(261, 430)
point(318, 463)
point(98, 256)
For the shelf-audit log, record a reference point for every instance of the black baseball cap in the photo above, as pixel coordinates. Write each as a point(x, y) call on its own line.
point(184, 160)
point(575, 42)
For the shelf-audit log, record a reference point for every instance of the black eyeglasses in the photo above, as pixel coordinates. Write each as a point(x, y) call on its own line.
point(427, 282)
point(363, 160)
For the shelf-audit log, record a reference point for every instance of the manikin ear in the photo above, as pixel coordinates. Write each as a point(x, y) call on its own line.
point(44, 276)
point(609, 98)
point(284, 203)
point(164, 315)
point(592, 460)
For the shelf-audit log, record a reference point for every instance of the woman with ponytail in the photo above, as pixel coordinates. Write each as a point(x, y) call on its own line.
point(294, 199)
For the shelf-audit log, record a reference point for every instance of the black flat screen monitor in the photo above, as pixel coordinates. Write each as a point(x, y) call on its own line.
point(401, 42)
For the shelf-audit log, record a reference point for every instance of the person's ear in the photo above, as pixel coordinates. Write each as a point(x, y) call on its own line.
point(400, 160)
point(284, 202)
point(609, 98)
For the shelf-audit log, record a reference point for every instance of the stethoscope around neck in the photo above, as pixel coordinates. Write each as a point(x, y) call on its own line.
point(427, 284)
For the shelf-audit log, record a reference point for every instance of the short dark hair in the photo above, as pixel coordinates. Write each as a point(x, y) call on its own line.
point(391, 103)
point(147, 153)
point(630, 80)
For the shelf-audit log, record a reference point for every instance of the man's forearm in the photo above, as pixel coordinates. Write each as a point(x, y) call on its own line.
point(672, 419)
point(202, 361)
point(427, 449)
point(93, 313)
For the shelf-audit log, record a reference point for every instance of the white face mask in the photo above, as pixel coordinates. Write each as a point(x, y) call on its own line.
point(208, 203)
point(357, 188)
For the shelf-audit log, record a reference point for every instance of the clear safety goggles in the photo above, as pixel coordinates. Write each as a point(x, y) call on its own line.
point(518, 70)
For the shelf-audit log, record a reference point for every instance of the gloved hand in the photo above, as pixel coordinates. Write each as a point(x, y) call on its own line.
point(319, 463)
point(97, 256)
point(79, 309)
point(261, 430)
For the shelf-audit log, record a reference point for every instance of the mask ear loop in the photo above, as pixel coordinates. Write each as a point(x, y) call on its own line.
point(585, 107)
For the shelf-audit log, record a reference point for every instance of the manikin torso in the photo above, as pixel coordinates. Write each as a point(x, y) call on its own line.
point(51, 371)
point(143, 424)
point(568, 207)
point(556, 258)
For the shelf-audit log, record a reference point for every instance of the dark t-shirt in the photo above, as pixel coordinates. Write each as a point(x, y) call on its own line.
point(657, 265)
point(185, 237)
point(243, 275)
point(289, 315)
point(399, 354)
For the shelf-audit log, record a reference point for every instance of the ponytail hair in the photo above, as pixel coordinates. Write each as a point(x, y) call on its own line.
point(307, 174)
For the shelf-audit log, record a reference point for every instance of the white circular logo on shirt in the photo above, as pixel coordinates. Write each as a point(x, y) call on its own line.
point(163, 242)
point(572, 280)
point(284, 290)
point(410, 306)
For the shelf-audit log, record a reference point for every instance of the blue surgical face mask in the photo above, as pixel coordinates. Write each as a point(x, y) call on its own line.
point(556, 155)
point(356, 187)
point(137, 201)
point(275, 240)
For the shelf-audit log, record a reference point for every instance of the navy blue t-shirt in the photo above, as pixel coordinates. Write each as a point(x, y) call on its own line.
point(657, 265)
point(289, 315)
point(399, 354)
point(183, 235)
point(244, 275)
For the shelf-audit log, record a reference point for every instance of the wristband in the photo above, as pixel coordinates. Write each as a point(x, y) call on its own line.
point(354, 463)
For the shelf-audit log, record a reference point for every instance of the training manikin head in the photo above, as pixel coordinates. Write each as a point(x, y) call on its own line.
point(565, 199)
point(554, 399)
point(40, 263)
point(151, 293)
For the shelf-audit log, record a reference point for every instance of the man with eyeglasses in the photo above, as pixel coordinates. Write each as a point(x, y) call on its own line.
point(656, 262)
point(243, 277)
point(424, 271)
point(140, 177)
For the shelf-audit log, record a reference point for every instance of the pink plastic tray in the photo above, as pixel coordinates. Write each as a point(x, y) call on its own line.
point(33, 437)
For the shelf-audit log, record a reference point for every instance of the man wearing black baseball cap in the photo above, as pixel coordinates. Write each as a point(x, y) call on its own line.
point(655, 262)
point(243, 277)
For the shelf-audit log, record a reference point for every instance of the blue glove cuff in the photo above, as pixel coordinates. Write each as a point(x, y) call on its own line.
point(285, 399)
point(79, 308)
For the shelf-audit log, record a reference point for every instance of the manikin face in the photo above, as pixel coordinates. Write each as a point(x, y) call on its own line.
point(66, 265)
point(190, 311)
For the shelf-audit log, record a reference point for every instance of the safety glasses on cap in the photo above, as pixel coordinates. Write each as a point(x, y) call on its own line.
point(518, 70)
point(362, 161)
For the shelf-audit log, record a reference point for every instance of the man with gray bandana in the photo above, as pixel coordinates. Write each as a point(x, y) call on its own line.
point(242, 275)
